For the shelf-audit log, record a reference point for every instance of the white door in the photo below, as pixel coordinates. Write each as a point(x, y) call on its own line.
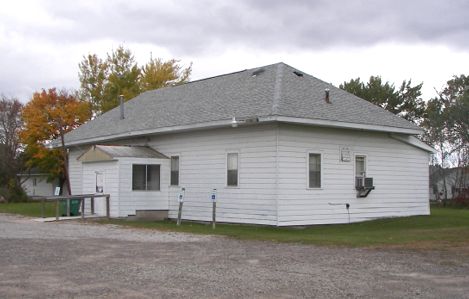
point(100, 188)
point(97, 179)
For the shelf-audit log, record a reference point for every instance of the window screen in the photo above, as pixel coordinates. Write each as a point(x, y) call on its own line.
point(145, 177)
point(174, 171)
point(138, 177)
point(314, 170)
point(153, 177)
point(232, 169)
point(360, 166)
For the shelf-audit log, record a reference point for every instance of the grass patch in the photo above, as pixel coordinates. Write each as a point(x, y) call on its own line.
point(444, 228)
point(31, 209)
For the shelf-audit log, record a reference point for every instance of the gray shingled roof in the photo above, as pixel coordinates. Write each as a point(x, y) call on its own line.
point(275, 91)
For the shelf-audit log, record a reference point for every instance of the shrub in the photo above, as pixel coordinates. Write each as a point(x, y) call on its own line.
point(13, 193)
point(462, 199)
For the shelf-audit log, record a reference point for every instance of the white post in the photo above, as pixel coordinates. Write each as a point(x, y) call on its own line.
point(213, 197)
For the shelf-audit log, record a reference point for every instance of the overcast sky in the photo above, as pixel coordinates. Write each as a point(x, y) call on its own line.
point(42, 42)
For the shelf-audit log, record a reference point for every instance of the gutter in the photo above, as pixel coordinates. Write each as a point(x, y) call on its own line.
point(228, 123)
point(411, 140)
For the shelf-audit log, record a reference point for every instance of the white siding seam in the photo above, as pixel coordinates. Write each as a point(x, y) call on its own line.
point(276, 174)
point(118, 206)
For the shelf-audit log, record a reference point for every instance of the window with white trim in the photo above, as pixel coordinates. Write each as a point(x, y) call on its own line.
point(360, 170)
point(146, 177)
point(232, 169)
point(174, 171)
point(314, 170)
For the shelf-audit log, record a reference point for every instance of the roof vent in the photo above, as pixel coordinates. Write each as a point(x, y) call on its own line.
point(258, 72)
point(327, 99)
point(298, 73)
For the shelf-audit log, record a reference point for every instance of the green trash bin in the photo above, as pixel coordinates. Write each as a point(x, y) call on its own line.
point(74, 207)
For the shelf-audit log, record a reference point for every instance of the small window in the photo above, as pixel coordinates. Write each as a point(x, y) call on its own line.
point(232, 169)
point(145, 177)
point(360, 171)
point(174, 171)
point(314, 170)
point(360, 166)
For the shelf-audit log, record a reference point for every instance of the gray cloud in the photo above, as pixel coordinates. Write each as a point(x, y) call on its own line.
point(197, 26)
point(208, 28)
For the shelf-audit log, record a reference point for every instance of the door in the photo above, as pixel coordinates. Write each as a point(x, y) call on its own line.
point(97, 179)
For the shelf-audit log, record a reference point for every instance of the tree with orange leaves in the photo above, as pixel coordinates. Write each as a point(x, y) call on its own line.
point(48, 116)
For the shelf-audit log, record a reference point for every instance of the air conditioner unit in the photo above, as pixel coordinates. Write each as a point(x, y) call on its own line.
point(363, 185)
point(368, 183)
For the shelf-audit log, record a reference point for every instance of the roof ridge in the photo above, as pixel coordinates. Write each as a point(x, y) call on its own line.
point(277, 88)
point(231, 73)
point(212, 77)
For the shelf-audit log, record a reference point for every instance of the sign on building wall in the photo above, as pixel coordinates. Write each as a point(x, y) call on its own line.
point(99, 182)
point(345, 155)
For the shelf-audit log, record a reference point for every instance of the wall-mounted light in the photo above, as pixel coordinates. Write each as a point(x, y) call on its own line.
point(246, 121)
point(234, 122)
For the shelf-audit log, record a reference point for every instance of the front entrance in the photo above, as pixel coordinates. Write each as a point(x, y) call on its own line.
point(98, 178)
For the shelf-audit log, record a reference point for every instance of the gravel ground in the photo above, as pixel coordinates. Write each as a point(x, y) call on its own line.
point(63, 260)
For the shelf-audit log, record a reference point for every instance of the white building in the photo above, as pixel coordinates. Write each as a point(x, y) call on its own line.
point(36, 184)
point(280, 146)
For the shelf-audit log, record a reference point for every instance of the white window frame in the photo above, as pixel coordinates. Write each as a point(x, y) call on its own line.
point(321, 158)
point(146, 172)
point(226, 168)
point(179, 170)
point(355, 155)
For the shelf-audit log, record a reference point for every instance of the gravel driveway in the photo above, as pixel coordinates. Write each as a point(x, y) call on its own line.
point(77, 260)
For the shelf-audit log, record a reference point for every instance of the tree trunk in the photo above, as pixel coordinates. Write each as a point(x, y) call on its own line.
point(65, 159)
point(61, 185)
point(443, 174)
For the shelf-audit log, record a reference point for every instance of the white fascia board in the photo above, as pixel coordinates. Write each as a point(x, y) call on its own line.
point(227, 123)
point(347, 125)
point(414, 142)
point(173, 129)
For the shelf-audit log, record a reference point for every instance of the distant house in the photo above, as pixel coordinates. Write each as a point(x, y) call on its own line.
point(448, 183)
point(35, 183)
point(280, 147)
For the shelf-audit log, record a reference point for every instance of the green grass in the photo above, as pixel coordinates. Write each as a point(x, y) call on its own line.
point(445, 228)
point(31, 209)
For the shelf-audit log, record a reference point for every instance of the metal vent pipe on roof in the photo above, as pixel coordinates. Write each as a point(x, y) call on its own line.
point(328, 100)
point(121, 101)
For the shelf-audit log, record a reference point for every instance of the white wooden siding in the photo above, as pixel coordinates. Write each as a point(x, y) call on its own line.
point(400, 174)
point(75, 170)
point(202, 167)
point(273, 176)
point(129, 200)
point(111, 185)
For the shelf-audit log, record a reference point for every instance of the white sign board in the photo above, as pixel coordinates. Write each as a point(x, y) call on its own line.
point(99, 182)
point(180, 196)
point(213, 195)
point(57, 191)
point(345, 154)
